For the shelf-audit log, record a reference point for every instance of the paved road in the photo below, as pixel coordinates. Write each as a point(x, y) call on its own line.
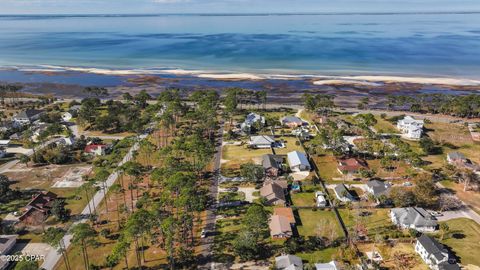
point(211, 217)
point(76, 132)
point(465, 212)
point(53, 256)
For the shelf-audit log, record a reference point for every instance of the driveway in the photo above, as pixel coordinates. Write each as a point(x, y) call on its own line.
point(299, 176)
point(248, 191)
point(462, 213)
point(465, 212)
point(37, 249)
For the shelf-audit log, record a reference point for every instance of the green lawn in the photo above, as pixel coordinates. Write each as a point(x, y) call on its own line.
point(303, 199)
point(290, 145)
point(464, 240)
point(327, 167)
point(234, 156)
point(319, 256)
point(231, 196)
point(318, 223)
point(383, 126)
point(377, 222)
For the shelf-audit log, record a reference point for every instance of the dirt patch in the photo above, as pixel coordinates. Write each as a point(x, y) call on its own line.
point(45, 177)
point(73, 177)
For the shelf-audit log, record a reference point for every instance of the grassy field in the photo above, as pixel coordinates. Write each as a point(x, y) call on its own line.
point(318, 223)
point(383, 126)
point(290, 145)
point(303, 199)
point(377, 222)
point(389, 252)
point(320, 256)
point(234, 156)
point(401, 169)
point(471, 198)
point(226, 231)
point(327, 167)
point(464, 240)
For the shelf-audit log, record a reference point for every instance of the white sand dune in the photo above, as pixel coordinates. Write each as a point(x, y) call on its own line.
point(343, 82)
point(400, 79)
point(232, 76)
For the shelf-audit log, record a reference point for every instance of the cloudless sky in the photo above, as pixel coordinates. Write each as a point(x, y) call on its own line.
point(231, 6)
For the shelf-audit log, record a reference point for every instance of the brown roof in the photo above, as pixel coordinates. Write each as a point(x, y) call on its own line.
point(272, 190)
point(42, 202)
point(351, 164)
point(279, 225)
point(282, 183)
point(286, 212)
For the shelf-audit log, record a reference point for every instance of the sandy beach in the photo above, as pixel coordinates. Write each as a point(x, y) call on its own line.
point(397, 79)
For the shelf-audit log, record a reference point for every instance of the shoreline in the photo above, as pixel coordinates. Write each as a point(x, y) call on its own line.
point(360, 78)
point(64, 82)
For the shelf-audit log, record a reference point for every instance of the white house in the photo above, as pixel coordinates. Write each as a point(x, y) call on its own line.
point(434, 254)
point(413, 218)
point(250, 120)
point(320, 198)
point(302, 133)
point(66, 116)
point(298, 161)
point(410, 127)
point(96, 149)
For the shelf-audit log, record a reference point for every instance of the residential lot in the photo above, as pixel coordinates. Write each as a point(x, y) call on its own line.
point(464, 239)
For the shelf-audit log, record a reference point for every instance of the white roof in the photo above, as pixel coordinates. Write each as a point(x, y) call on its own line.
point(4, 142)
point(408, 120)
point(333, 265)
point(296, 158)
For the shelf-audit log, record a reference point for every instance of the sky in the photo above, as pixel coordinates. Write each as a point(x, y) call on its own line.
point(10, 7)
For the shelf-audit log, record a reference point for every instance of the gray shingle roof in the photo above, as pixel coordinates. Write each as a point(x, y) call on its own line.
point(28, 113)
point(285, 261)
point(341, 189)
point(261, 140)
point(291, 119)
point(379, 187)
point(271, 161)
point(414, 216)
point(433, 247)
point(456, 155)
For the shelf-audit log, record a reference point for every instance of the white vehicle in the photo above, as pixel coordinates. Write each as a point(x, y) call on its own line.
point(203, 234)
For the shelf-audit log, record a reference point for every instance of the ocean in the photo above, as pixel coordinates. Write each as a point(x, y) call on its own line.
point(429, 44)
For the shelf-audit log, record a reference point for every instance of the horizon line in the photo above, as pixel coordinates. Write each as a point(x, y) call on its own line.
point(235, 14)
